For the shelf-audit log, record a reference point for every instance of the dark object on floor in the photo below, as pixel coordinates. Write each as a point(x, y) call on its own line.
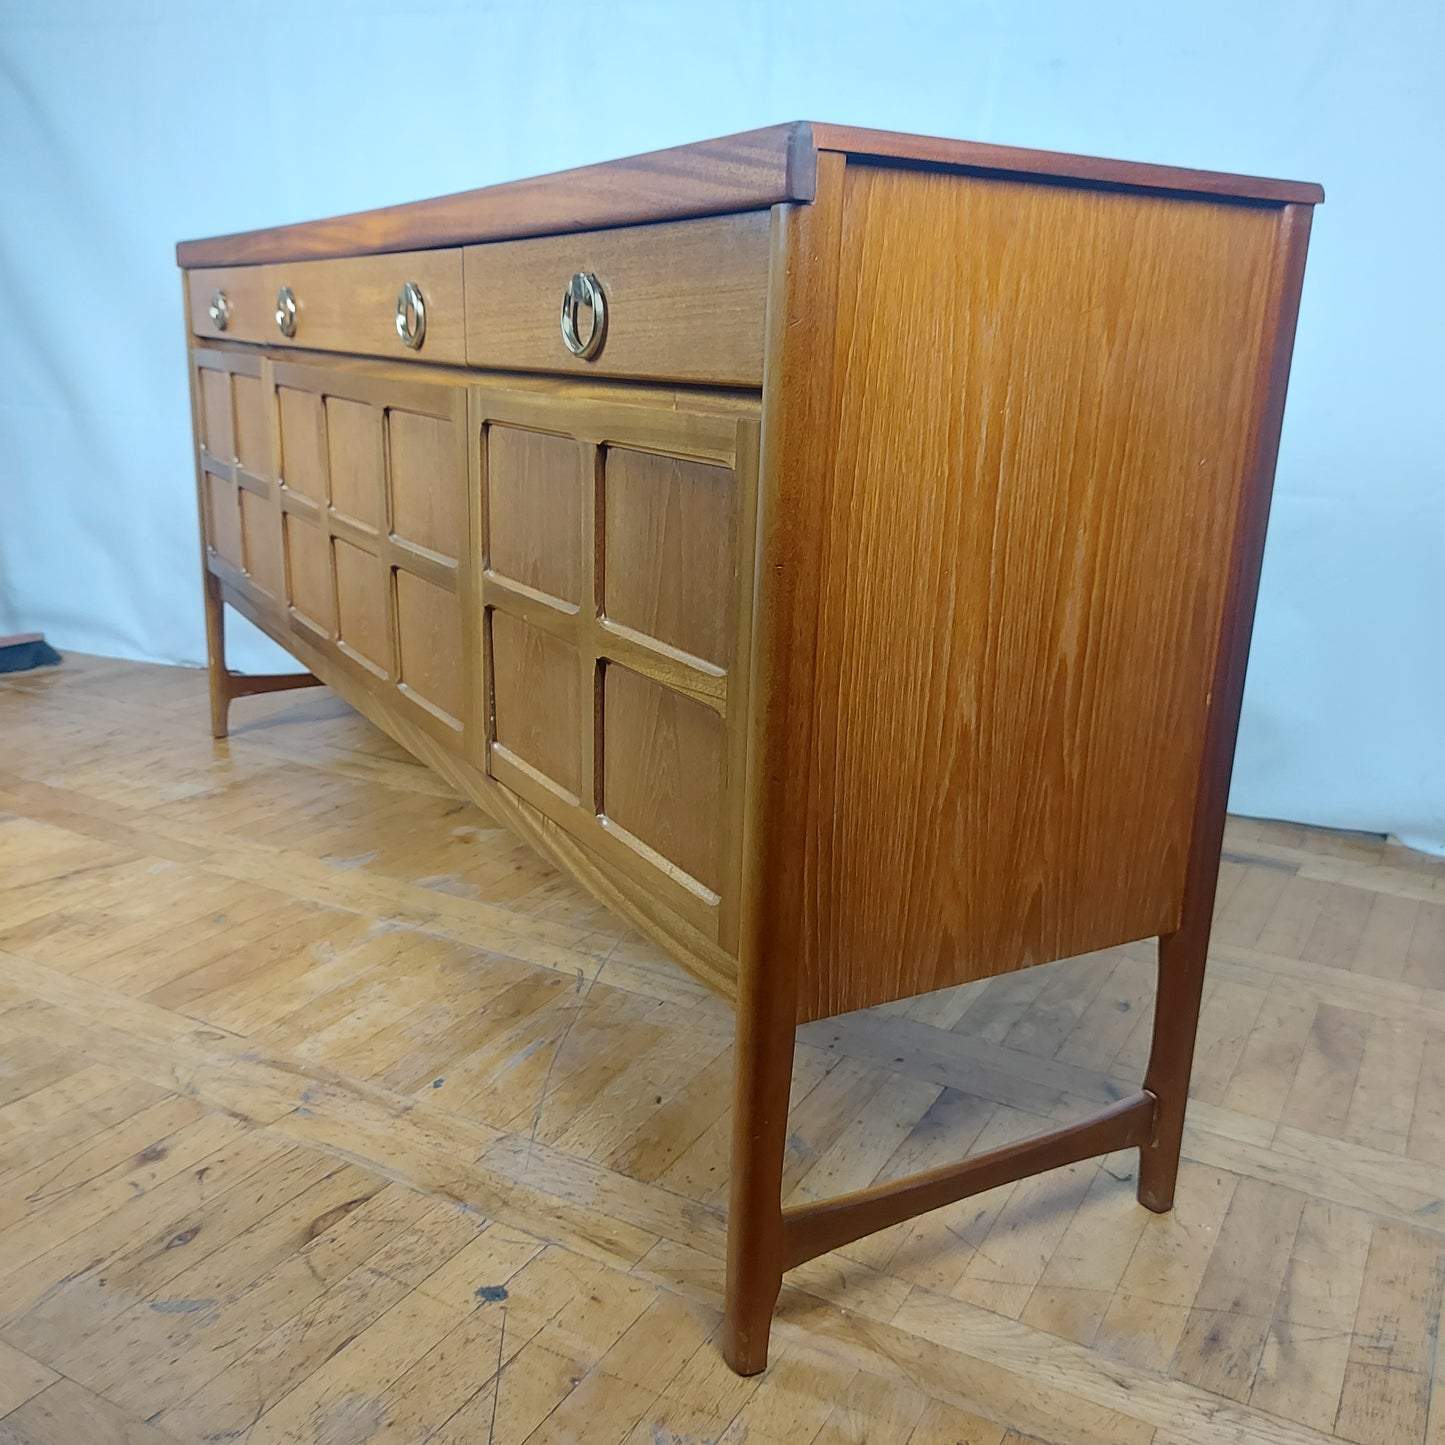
point(26, 650)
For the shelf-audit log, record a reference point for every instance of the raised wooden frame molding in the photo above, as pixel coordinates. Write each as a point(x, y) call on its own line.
point(727, 439)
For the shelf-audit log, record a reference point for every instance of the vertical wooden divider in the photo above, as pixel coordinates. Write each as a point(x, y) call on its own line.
point(386, 525)
point(589, 608)
point(797, 403)
point(476, 628)
point(1184, 953)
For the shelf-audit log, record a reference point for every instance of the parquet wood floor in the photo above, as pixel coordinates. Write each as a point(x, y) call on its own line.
point(329, 1114)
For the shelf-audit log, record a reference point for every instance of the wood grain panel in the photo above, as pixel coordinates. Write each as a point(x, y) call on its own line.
point(350, 305)
point(252, 308)
point(663, 772)
point(261, 539)
point(429, 642)
point(428, 482)
point(354, 456)
point(217, 434)
point(361, 605)
point(224, 533)
point(1054, 165)
point(389, 443)
point(1042, 402)
point(303, 442)
point(253, 425)
point(670, 549)
point(746, 172)
point(308, 573)
point(794, 472)
point(535, 494)
point(535, 685)
point(685, 300)
point(742, 172)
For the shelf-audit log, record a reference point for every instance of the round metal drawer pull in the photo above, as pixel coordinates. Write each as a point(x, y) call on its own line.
point(286, 311)
point(220, 310)
point(411, 316)
point(584, 290)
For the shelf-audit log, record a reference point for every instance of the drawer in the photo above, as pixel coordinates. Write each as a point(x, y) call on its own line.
point(351, 304)
point(231, 302)
point(679, 301)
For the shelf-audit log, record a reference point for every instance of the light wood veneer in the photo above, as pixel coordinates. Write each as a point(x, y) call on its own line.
point(685, 300)
point(346, 305)
point(867, 616)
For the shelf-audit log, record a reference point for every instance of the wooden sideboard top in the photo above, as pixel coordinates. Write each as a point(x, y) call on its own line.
point(750, 171)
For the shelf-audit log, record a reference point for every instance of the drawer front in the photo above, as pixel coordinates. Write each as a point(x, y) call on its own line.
point(349, 305)
point(352, 305)
point(231, 302)
point(681, 301)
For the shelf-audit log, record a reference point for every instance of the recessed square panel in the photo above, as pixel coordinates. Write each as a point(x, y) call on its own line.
point(303, 447)
point(253, 426)
point(429, 631)
point(663, 758)
point(536, 686)
point(225, 521)
point(361, 605)
point(669, 549)
point(535, 496)
point(308, 567)
point(216, 414)
point(353, 444)
point(262, 540)
point(428, 482)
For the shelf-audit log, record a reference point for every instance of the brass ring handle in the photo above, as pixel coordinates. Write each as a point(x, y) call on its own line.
point(286, 311)
point(584, 290)
point(411, 316)
point(220, 310)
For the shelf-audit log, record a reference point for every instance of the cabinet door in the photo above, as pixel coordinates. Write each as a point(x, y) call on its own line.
point(372, 487)
point(240, 518)
point(615, 539)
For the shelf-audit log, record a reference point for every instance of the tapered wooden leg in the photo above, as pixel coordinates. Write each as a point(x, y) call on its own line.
point(1182, 953)
point(762, 1081)
point(219, 678)
point(1171, 1057)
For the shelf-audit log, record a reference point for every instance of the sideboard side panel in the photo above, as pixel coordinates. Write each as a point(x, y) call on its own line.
point(1043, 405)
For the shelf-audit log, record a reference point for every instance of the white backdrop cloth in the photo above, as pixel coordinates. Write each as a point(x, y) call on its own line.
point(125, 126)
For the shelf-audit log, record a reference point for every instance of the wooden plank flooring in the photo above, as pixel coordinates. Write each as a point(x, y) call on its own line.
point(330, 1114)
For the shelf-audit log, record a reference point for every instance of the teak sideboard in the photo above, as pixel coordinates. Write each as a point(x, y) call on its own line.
point(836, 549)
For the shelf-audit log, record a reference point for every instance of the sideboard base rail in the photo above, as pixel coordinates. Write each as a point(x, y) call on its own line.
point(765, 1239)
point(813, 1229)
